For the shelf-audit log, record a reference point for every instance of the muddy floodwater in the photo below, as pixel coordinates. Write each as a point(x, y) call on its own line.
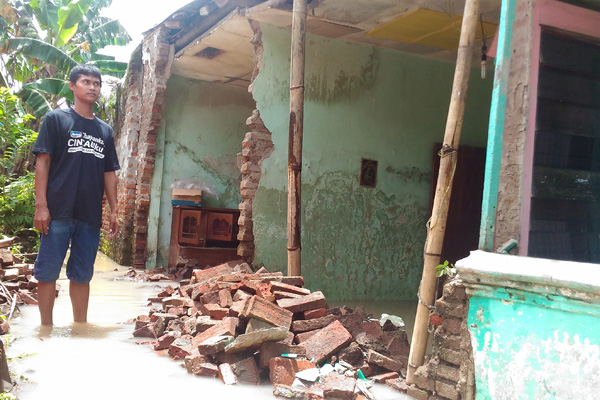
point(101, 360)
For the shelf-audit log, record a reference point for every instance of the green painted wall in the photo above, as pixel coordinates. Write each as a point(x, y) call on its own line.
point(201, 133)
point(361, 102)
point(530, 346)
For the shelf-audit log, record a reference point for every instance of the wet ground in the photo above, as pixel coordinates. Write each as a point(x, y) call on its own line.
point(101, 360)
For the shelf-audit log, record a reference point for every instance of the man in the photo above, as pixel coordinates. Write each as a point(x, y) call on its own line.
point(76, 164)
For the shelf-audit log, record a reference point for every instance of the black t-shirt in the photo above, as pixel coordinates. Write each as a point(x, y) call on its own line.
point(81, 151)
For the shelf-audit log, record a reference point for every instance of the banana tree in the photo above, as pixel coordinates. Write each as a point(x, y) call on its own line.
point(44, 39)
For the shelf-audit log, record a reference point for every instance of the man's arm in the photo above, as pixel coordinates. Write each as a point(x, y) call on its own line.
point(41, 219)
point(110, 188)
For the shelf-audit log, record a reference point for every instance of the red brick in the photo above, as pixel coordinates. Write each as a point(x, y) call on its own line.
point(292, 280)
point(284, 287)
point(282, 371)
point(180, 348)
point(179, 311)
point(256, 325)
point(241, 295)
point(246, 371)
point(212, 297)
point(372, 328)
point(268, 350)
point(176, 302)
point(301, 338)
point(226, 374)
point(385, 377)
point(206, 369)
point(285, 295)
point(192, 360)
point(227, 327)
point(214, 311)
point(203, 275)
point(399, 347)
point(166, 340)
point(339, 386)
point(225, 299)
point(237, 307)
point(327, 341)
point(308, 302)
point(214, 345)
point(204, 322)
point(384, 362)
point(146, 330)
point(316, 313)
point(262, 309)
point(436, 319)
point(312, 324)
point(263, 291)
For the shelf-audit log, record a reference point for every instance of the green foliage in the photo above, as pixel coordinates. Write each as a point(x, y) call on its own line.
point(7, 396)
point(49, 37)
point(17, 204)
point(445, 269)
point(17, 194)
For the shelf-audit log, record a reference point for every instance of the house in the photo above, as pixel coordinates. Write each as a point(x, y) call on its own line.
point(207, 100)
point(378, 82)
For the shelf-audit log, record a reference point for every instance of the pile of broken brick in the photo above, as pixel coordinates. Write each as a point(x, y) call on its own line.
point(230, 322)
point(16, 276)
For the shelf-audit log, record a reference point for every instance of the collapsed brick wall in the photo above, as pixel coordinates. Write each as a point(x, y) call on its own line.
point(449, 372)
point(256, 147)
point(157, 57)
point(126, 128)
point(508, 215)
point(136, 146)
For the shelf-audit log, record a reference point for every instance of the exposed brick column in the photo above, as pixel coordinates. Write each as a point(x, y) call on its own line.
point(157, 58)
point(449, 373)
point(256, 147)
point(126, 128)
point(508, 212)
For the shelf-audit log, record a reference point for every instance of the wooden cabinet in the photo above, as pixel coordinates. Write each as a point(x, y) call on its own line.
point(203, 233)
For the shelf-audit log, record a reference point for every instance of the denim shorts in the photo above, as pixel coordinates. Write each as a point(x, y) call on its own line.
point(83, 238)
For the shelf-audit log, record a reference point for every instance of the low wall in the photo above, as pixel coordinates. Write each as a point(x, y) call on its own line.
point(534, 326)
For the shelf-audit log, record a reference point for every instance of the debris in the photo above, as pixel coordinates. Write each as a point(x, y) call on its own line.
point(239, 325)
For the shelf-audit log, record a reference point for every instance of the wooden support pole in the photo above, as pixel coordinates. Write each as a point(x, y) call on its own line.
point(439, 214)
point(295, 140)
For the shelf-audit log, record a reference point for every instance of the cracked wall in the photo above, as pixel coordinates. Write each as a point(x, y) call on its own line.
point(200, 136)
point(361, 102)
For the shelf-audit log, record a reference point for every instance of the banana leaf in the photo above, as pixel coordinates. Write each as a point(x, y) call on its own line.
point(53, 86)
point(69, 17)
point(36, 102)
point(41, 50)
point(110, 33)
point(111, 68)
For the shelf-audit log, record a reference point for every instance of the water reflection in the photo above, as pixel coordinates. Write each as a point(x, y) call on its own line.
point(101, 359)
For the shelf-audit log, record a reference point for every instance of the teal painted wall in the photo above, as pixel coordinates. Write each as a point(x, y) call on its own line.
point(361, 102)
point(531, 346)
point(201, 133)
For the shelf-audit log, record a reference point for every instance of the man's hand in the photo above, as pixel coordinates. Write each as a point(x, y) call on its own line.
point(41, 219)
point(113, 226)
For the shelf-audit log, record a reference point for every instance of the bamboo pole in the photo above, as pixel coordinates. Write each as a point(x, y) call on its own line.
point(295, 140)
point(439, 214)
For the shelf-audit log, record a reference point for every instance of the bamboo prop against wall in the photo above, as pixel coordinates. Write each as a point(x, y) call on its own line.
point(295, 141)
point(437, 223)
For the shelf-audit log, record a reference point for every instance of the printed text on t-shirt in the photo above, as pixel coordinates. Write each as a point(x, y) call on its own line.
point(82, 142)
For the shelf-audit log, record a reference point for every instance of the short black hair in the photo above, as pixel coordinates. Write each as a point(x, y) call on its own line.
point(84, 69)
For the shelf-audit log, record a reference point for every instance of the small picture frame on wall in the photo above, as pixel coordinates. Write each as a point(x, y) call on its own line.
point(368, 173)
